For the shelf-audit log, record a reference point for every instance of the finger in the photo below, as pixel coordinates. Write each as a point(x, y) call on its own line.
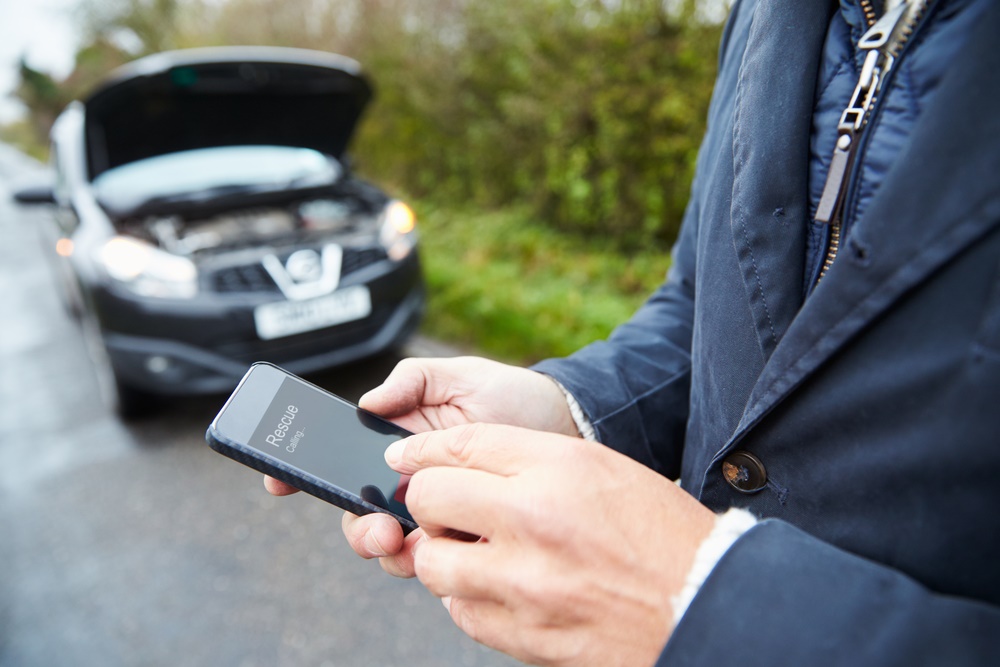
point(415, 383)
point(401, 564)
point(495, 448)
point(502, 628)
point(403, 391)
point(373, 535)
point(277, 487)
point(468, 501)
point(468, 570)
point(488, 623)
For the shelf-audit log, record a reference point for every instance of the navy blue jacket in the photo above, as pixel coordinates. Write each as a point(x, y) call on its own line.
point(874, 404)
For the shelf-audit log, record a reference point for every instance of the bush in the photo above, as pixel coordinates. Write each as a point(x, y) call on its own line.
point(591, 116)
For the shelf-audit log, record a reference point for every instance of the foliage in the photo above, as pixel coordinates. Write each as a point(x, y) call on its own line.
point(23, 136)
point(591, 116)
point(152, 25)
point(43, 98)
point(521, 291)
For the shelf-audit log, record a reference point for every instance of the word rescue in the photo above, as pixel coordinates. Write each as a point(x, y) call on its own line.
point(277, 438)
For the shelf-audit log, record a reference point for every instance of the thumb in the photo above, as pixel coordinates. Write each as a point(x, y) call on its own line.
point(401, 393)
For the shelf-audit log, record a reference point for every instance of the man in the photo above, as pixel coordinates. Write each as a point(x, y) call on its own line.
point(825, 353)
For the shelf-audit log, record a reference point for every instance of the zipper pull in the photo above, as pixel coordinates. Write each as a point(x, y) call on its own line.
point(879, 34)
point(833, 189)
point(878, 61)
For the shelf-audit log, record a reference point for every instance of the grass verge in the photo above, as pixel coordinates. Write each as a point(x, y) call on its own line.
point(510, 287)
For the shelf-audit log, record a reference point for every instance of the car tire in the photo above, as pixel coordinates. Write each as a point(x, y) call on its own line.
point(130, 403)
point(121, 398)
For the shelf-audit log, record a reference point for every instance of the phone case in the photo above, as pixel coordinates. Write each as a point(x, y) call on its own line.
point(299, 478)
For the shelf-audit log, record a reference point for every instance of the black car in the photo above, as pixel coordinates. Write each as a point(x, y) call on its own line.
point(206, 218)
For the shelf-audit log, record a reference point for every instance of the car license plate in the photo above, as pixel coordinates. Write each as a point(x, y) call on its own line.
point(285, 318)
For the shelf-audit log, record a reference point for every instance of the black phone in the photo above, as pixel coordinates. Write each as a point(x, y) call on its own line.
point(292, 430)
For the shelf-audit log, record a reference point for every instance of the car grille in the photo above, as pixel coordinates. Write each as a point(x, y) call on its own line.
point(251, 278)
point(255, 278)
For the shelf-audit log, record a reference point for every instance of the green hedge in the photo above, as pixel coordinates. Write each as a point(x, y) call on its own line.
point(590, 117)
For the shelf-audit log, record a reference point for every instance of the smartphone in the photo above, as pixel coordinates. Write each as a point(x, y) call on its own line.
point(294, 431)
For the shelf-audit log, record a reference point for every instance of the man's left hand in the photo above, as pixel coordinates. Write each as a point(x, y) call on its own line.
point(581, 548)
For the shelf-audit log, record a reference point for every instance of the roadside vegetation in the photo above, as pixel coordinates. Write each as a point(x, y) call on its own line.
point(547, 145)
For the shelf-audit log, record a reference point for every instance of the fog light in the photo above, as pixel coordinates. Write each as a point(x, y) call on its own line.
point(157, 364)
point(64, 247)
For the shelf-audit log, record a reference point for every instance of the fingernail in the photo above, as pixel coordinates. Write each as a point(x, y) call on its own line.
point(364, 397)
point(394, 452)
point(446, 601)
point(415, 550)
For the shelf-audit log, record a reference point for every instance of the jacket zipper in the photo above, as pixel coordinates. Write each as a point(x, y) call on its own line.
point(884, 41)
point(868, 7)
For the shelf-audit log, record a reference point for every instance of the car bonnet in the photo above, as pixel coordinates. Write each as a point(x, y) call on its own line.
point(226, 96)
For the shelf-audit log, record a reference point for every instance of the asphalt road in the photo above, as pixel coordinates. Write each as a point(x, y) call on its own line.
point(135, 544)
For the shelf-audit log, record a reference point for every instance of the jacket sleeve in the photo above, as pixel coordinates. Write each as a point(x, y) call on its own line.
point(634, 387)
point(781, 596)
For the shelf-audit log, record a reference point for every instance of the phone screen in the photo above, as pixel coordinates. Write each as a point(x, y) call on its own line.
point(329, 438)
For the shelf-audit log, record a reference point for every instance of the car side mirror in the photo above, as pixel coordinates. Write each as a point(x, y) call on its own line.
point(36, 194)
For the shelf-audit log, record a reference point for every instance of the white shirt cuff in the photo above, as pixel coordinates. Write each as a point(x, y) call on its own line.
point(583, 424)
point(728, 528)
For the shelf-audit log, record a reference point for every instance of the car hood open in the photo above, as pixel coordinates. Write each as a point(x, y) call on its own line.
point(225, 96)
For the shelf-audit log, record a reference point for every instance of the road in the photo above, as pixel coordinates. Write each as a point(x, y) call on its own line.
point(135, 544)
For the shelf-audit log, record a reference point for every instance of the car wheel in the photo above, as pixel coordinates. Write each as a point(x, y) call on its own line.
point(121, 398)
point(131, 403)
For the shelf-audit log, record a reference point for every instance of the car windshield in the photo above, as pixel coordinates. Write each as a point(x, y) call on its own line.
point(208, 172)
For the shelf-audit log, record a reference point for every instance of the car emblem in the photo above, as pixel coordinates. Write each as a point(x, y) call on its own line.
point(304, 266)
point(306, 274)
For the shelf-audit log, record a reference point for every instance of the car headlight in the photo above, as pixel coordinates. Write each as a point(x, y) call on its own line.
point(398, 234)
point(147, 270)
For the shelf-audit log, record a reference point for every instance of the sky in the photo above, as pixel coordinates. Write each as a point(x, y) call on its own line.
point(41, 30)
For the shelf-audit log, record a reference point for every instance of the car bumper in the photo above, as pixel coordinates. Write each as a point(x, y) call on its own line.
point(207, 344)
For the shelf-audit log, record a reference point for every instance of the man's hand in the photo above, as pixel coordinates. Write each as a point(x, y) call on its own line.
point(429, 394)
point(582, 548)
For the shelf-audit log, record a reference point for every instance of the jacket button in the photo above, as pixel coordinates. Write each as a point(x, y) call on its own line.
point(744, 472)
